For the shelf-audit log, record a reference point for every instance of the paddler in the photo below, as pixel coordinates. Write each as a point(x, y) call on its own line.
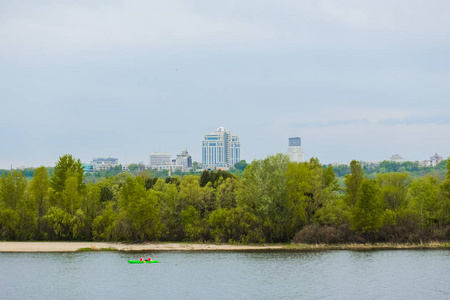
point(149, 259)
point(141, 259)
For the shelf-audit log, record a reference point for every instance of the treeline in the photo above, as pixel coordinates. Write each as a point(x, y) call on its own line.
point(274, 201)
point(371, 170)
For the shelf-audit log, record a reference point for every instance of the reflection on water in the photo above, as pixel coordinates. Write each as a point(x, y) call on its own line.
point(408, 274)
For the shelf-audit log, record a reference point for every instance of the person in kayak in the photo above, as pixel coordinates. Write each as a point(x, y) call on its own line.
point(141, 259)
point(149, 259)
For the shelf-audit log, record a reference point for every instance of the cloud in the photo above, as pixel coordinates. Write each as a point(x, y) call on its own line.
point(331, 123)
point(417, 120)
point(68, 28)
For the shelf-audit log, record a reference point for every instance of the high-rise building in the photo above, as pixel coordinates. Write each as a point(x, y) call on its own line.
point(294, 150)
point(221, 149)
point(184, 161)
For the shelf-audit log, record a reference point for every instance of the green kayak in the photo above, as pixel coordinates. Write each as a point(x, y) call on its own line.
point(142, 262)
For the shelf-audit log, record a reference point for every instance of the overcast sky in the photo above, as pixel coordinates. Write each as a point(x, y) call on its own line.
point(354, 79)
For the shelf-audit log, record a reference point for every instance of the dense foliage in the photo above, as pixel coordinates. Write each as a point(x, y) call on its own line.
point(274, 201)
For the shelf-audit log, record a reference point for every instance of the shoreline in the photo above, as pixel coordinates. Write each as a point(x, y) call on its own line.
point(104, 246)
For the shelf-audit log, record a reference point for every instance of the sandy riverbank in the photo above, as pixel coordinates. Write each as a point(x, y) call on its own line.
point(75, 246)
point(86, 246)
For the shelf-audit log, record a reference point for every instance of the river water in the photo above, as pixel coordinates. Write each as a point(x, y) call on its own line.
point(401, 274)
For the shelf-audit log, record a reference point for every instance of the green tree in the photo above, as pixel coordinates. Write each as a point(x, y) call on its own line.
point(263, 193)
point(9, 223)
point(226, 193)
point(241, 165)
point(443, 212)
point(67, 167)
point(366, 216)
point(39, 193)
point(234, 225)
point(423, 194)
point(170, 211)
point(353, 182)
point(103, 226)
point(12, 189)
point(195, 227)
point(90, 206)
point(140, 210)
point(71, 197)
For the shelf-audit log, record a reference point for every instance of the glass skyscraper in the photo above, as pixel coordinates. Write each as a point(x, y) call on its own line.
point(221, 149)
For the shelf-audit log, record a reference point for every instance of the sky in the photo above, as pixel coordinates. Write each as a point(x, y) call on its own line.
point(354, 79)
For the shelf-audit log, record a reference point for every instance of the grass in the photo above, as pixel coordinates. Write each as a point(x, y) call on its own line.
point(368, 246)
point(93, 248)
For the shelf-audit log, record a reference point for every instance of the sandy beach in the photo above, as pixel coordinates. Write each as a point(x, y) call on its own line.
point(99, 246)
point(76, 246)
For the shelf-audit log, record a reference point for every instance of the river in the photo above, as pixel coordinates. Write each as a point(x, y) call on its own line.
point(400, 274)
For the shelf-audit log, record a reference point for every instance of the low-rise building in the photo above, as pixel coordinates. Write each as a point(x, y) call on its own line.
point(100, 163)
point(432, 162)
point(163, 161)
point(397, 158)
point(160, 161)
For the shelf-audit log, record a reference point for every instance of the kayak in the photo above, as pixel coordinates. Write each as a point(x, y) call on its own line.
point(142, 262)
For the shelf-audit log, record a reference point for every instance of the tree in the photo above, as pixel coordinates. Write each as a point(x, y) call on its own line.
point(444, 199)
point(423, 195)
point(263, 193)
point(90, 205)
point(9, 222)
point(39, 193)
point(140, 210)
point(104, 225)
point(67, 167)
point(12, 189)
point(71, 197)
point(226, 193)
point(366, 216)
point(393, 189)
point(241, 165)
point(353, 182)
point(309, 187)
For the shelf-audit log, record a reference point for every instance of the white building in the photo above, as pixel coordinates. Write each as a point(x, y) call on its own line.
point(432, 162)
point(220, 149)
point(100, 163)
point(163, 161)
point(295, 151)
point(397, 158)
point(160, 161)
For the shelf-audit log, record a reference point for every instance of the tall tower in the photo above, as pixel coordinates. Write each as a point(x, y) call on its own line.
point(294, 150)
point(220, 149)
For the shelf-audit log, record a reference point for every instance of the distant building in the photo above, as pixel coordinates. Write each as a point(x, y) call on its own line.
point(163, 161)
point(435, 160)
point(184, 161)
point(160, 161)
point(432, 162)
point(396, 158)
point(220, 149)
point(295, 151)
point(88, 168)
point(99, 163)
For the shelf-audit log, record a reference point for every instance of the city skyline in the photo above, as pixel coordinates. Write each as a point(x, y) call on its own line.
point(356, 80)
